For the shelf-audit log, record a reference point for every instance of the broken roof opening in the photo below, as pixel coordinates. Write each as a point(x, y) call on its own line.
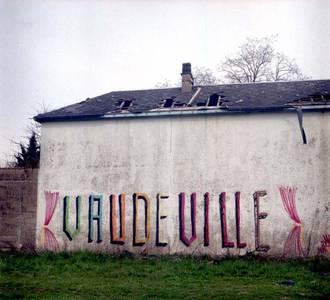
point(214, 100)
point(179, 104)
point(168, 103)
point(313, 99)
point(125, 104)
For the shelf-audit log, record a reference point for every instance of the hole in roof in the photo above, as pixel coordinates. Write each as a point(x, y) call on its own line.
point(125, 104)
point(319, 97)
point(314, 98)
point(179, 104)
point(214, 100)
point(168, 103)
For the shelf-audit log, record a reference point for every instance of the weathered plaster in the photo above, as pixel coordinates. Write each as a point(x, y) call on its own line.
point(167, 156)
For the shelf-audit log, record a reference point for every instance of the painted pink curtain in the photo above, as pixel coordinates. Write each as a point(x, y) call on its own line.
point(288, 195)
point(325, 244)
point(50, 242)
point(293, 245)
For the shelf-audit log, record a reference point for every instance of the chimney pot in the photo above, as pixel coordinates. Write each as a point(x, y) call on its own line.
point(186, 68)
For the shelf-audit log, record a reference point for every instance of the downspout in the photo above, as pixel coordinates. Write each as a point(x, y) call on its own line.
point(302, 130)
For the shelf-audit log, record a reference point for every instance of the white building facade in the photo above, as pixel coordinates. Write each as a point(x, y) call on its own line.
point(189, 179)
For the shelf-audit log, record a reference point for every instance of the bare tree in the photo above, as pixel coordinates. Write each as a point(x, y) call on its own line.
point(257, 60)
point(284, 68)
point(204, 76)
point(165, 83)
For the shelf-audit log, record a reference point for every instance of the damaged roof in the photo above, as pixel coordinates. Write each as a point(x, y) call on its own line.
point(249, 97)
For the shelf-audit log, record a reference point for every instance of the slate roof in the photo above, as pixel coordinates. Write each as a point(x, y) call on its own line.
point(273, 96)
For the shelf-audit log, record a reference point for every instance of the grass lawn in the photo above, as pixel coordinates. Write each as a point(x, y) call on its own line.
point(102, 276)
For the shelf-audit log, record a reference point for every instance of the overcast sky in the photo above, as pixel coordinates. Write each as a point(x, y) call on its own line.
point(61, 52)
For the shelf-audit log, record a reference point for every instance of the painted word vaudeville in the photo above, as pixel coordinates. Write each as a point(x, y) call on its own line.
point(117, 236)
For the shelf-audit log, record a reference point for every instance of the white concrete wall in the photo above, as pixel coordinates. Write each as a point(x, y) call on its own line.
point(214, 154)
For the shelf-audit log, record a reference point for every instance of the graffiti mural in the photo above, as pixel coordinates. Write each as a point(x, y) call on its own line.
point(183, 237)
point(325, 245)
point(293, 244)
point(66, 217)
point(160, 217)
point(114, 238)
point(240, 244)
point(213, 232)
point(98, 217)
point(48, 237)
point(206, 219)
point(138, 241)
point(223, 220)
point(258, 216)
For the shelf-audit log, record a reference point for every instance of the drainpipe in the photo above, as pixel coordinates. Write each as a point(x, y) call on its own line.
point(302, 130)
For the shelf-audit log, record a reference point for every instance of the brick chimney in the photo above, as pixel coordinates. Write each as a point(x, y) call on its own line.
point(187, 78)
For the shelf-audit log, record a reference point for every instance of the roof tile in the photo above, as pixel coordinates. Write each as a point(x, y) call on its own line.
point(240, 97)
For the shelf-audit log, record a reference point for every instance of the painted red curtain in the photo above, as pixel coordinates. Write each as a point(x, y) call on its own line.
point(50, 242)
point(325, 244)
point(293, 245)
point(288, 195)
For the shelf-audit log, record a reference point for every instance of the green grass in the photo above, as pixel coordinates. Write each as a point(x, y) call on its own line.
point(102, 276)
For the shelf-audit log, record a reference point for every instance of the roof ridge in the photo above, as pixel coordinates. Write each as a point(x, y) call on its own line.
point(260, 82)
point(214, 85)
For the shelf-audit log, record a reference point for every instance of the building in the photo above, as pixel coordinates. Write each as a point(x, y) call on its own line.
point(225, 169)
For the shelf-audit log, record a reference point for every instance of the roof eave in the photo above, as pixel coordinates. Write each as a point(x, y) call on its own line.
point(45, 119)
point(163, 113)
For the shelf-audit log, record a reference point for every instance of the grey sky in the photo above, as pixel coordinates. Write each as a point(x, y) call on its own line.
point(61, 52)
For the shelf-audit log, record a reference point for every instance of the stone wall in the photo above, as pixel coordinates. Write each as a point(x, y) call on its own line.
point(18, 208)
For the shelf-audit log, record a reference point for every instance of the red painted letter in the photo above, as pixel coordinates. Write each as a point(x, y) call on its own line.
point(238, 221)
point(257, 217)
point(183, 236)
point(223, 219)
point(206, 220)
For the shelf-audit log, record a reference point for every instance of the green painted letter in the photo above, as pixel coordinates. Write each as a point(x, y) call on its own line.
point(97, 217)
point(66, 223)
